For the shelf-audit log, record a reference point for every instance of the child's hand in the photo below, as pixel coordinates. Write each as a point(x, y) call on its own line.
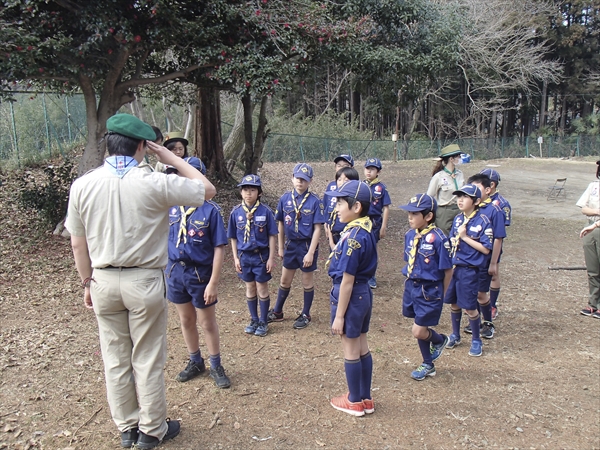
point(493, 269)
point(382, 233)
point(269, 265)
point(327, 230)
point(338, 326)
point(280, 252)
point(210, 294)
point(308, 259)
point(462, 231)
point(238, 266)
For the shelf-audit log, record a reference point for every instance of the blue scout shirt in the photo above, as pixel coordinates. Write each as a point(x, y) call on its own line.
point(496, 216)
point(479, 228)
point(263, 225)
point(379, 198)
point(310, 213)
point(432, 257)
point(503, 204)
point(203, 230)
point(356, 254)
point(330, 215)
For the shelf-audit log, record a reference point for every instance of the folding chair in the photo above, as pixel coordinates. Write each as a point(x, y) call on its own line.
point(558, 189)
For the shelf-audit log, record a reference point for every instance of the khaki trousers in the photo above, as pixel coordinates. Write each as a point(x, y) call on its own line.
point(444, 216)
point(591, 252)
point(131, 310)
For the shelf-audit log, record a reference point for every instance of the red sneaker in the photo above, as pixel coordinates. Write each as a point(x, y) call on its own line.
point(342, 403)
point(369, 405)
point(494, 313)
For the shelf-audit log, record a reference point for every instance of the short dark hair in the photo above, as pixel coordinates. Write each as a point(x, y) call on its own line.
point(251, 186)
point(117, 144)
point(171, 146)
point(598, 169)
point(348, 172)
point(480, 178)
point(427, 211)
point(365, 206)
point(159, 135)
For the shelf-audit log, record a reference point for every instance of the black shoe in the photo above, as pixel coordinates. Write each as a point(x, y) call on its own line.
point(129, 437)
point(487, 330)
point(144, 441)
point(301, 322)
point(221, 380)
point(192, 370)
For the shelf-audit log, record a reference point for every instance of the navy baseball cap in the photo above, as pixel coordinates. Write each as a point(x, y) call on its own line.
point(469, 189)
point(491, 174)
point(303, 171)
point(250, 180)
point(353, 189)
point(420, 202)
point(348, 158)
point(373, 162)
point(197, 163)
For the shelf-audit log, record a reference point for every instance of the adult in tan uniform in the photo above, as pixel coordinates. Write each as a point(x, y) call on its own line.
point(445, 179)
point(119, 223)
point(590, 207)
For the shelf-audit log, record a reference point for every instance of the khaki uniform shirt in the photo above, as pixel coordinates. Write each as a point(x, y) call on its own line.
point(591, 199)
point(442, 186)
point(126, 220)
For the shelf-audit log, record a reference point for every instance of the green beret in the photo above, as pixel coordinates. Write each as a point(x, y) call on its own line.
point(130, 126)
point(450, 150)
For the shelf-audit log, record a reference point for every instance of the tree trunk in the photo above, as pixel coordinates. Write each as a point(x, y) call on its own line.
point(248, 143)
point(563, 115)
point(208, 140)
point(543, 105)
point(253, 150)
point(234, 146)
point(261, 135)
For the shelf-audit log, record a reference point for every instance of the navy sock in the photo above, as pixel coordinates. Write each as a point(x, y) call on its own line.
point(252, 305)
point(425, 348)
point(455, 317)
point(215, 360)
point(434, 337)
point(265, 303)
point(486, 311)
point(366, 362)
point(196, 356)
point(309, 295)
point(475, 327)
point(494, 293)
point(282, 295)
point(353, 369)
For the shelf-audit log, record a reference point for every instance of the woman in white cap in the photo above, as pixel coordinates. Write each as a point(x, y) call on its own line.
point(177, 143)
point(445, 179)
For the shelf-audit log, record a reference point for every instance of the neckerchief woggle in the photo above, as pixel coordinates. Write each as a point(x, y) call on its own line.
point(119, 165)
point(363, 222)
point(413, 251)
point(185, 213)
point(455, 239)
point(249, 216)
point(298, 208)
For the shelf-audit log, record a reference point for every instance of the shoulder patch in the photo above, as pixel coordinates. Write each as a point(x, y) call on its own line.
point(353, 243)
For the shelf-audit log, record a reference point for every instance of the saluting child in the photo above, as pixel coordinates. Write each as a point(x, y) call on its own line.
point(496, 216)
point(380, 203)
point(252, 230)
point(471, 238)
point(504, 205)
point(428, 274)
point(333, 226)
point(352, 262)
point(299, 215)
point(196, 249)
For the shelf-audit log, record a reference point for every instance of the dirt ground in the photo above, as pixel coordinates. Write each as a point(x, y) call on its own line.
point(537, 385)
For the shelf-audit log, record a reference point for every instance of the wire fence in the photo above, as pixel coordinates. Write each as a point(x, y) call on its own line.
point(34, 128)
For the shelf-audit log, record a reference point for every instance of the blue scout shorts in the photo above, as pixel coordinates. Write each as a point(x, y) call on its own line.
point(358, 313)
point(422, 301)
point(294, 253)
point(254, 265)
point(463, 287)
point(187, 283)
point(485, 280)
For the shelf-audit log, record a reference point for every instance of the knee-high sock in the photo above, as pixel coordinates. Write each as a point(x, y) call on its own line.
point(455, 317)
point(366, 361)
point(309, 295)
point(494, 293)
point(486, 311)
point(425, 348)
point(282, 295)
point(252, 304)
point(475, 327)
point(265, 303)
point(353, 369)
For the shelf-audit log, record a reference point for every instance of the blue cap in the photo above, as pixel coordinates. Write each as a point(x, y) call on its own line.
point(348, 158)
point(303, 171)
point(373, 162)
point(469, 189)
point(491, 174)
point(197, 163)
point(353, 189)
point(420, 202)
point(250, 180)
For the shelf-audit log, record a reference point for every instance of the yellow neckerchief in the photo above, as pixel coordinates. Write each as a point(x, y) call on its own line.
point(413, 251)
point(249, 217)
point(362, 222)
point(455, 239)
point(453, 176)
point(487, 201)
point(183, 224)
point(371, 183)
point(298, 208)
